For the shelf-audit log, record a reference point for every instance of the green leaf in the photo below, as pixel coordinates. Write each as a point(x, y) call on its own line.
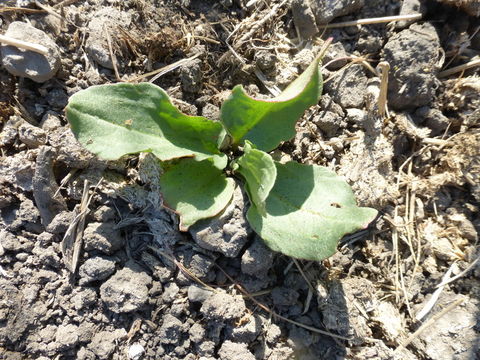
point(259, 171)
point(266, 123)
point(308, 211)
point(115, 120)
point(195, 190)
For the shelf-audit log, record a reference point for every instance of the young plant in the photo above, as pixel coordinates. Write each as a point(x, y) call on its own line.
point(299, 210)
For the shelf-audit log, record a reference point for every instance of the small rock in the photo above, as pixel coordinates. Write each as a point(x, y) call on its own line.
point(50, 121)
point(170, 292)
point(304, 19)
point(105, 214)
point(336, 51)
point(226, 233)
point(410, 7)
point(96, 268)
point(235, 351)
point(327, 10)
point(67, 336)
point(349, 88)
point(127, 290)
point(57, 98)
point(246, 333)
point(197, 333)
point(328, 122)
point(104, 343)
point(198, 294)
point(45, 187)
point(222, 306)
point(60, 222)
point(265, 60)
point(200, 265)
point(211, 111)
point(69, 150)
point(257, 259)
point(135, 351)
point(412, 84)
point(390, 320)
point(103, 237)
point(85, 298)
point(191, 76)
point(433, 119)
point(32, 136)
point(30, 64)
point(283, 296)
point(96, 44)
point(171, 330)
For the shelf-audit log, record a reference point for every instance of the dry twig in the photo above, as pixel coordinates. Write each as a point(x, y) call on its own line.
point(7, 40)
point(377, 20)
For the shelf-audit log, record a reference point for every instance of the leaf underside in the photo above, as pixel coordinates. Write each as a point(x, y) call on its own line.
point(120, 119)
point(195, 190)
point(259, 171)
point(308, 211)
point(266, 123)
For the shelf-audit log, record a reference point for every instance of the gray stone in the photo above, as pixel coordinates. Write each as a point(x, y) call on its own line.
point(171, 330)
point(303, 18)
point(283, 296)
point(57, 98)
point(265, 60)
point(191, 76)
point(247, 332)
point(336, 51)
point(95, 269)
point(410, 7)
point(104, 343)
point(412, 83)
point(170, 292)
point(60, 222)
point(235, 351)
point(433, 119)
point(69, 150)
point(67, 336)
point(257, 259)
point(45, 187)
point(50, 121)
point(197, 333)
point(198, 294)
point(226, 233)
point(103, 237)
point(96, 44)
point(327, 10)
point(30, 64)
point(127, 290)
point(222, 306)
point(32, 136)
point(349, 88)
point(85, 298)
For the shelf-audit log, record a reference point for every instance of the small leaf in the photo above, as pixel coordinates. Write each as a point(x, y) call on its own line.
point(308, 211)
point(266, 123)
point(195, 190)
point(259, 172)
point(115, 120)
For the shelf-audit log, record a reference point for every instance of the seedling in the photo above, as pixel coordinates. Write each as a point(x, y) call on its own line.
point(299, 210)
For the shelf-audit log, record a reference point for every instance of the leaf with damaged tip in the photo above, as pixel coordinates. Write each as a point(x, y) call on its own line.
point(266, 123)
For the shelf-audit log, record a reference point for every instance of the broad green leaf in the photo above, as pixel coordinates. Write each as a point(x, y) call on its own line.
point(266, 123)
point(308, 211)
point(195, 190)
point(119, 119)
point(259, 171)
